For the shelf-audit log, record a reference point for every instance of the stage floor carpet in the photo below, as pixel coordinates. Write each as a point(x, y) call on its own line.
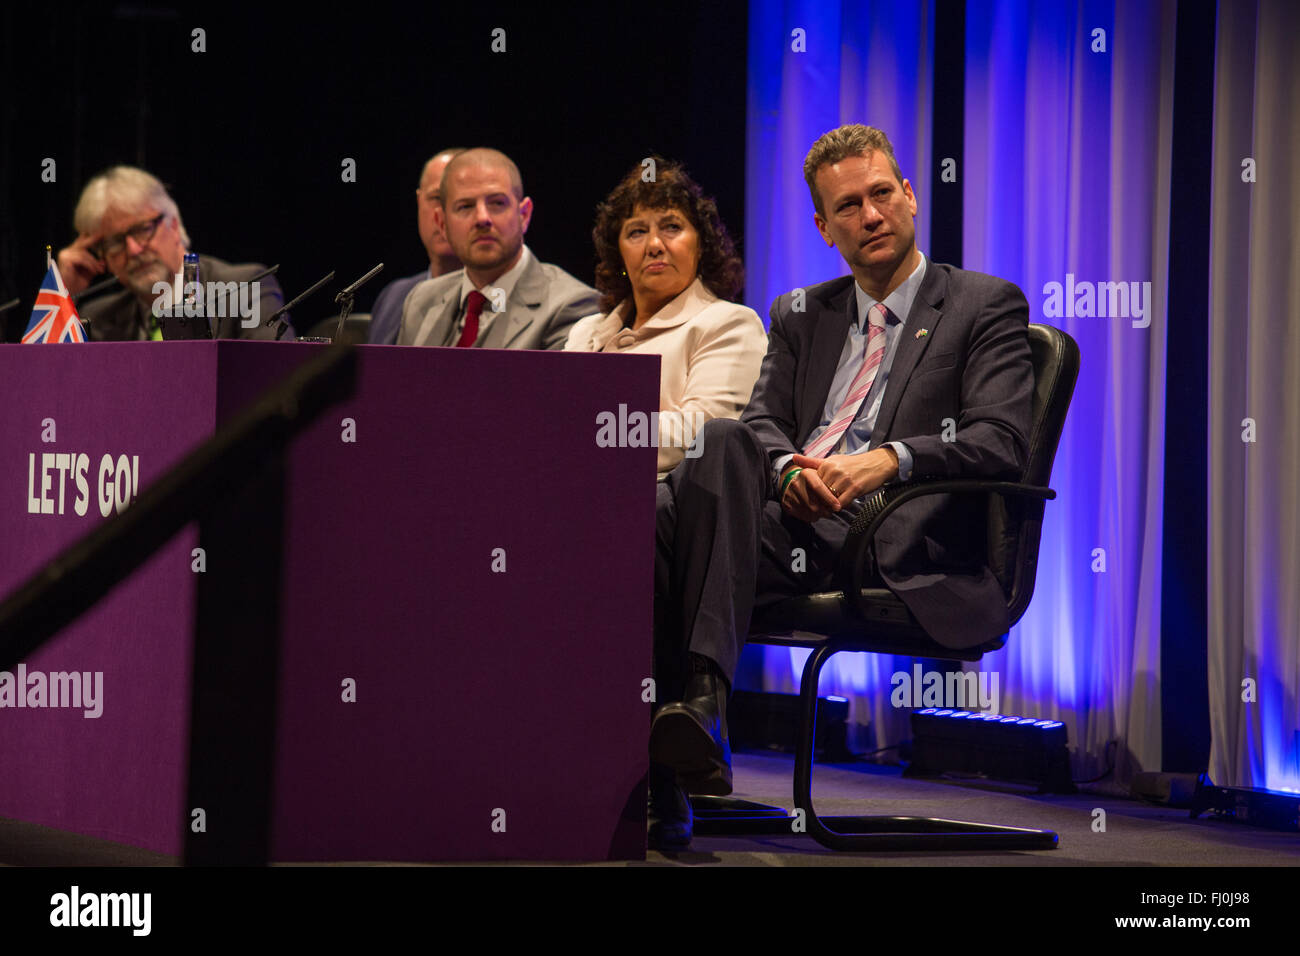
point(1137, 834)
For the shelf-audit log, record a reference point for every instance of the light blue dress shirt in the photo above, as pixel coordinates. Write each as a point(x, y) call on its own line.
point(857, 437)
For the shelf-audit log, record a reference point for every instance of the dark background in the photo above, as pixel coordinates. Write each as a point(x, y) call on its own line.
point(249, 137)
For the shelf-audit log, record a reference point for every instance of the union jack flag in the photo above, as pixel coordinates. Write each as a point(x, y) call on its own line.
point(54, 319)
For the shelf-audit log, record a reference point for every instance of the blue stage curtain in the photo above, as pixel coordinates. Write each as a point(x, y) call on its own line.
point(1253, 449)
point(1067, 148)
point(814, 66)
point(860, 63)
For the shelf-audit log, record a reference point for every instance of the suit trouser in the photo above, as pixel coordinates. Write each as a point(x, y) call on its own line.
point(724, 548)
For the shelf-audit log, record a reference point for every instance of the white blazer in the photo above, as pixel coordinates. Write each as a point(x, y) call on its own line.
point(711, 354)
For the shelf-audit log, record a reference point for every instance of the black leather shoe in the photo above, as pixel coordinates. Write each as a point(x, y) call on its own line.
point(690, 736)
point(671, 819)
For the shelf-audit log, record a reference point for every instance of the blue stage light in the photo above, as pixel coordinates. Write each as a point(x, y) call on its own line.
point(1277, 808)
point(1010, 747)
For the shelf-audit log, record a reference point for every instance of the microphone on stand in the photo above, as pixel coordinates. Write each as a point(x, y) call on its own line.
point(344, 298)
point(92, 290)
point(95, 289)
point(270, 271)
point(275, 316)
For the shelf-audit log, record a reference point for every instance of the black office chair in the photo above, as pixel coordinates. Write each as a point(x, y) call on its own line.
point(872, 619)
point(355, 329)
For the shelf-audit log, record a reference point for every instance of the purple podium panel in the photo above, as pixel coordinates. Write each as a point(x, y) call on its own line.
point(82, 429)
point(467, 602)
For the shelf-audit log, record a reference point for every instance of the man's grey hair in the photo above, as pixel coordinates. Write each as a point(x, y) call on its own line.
point(852, 140)
point(126, 188)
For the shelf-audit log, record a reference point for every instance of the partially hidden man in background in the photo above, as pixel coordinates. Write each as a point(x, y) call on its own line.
point(905, 369)
point(128, 225)
point(386, 315)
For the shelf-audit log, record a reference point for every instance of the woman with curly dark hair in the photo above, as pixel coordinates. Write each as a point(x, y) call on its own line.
point(666, 270)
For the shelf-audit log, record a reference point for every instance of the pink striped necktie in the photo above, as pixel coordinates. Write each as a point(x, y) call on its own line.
point(860, 388)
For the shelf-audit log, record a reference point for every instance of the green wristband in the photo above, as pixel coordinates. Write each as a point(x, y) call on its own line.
point(789, 477)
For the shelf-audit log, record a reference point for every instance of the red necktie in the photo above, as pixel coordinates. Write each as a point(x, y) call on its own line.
point(475, 302)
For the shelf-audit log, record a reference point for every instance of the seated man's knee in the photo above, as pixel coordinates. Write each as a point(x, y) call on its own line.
point(724, 436)
point(664, 504)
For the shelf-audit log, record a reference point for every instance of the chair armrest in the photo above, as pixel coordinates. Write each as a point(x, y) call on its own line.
point(882, 503)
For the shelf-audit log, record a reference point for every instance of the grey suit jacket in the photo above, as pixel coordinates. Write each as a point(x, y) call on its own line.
point(971, 365)
point(542, 308)
point(119, 316)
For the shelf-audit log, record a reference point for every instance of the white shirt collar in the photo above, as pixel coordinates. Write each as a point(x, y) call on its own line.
point(506, 282)
point(899, 302)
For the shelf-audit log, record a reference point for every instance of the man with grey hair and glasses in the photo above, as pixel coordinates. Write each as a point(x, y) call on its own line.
point(128, 225)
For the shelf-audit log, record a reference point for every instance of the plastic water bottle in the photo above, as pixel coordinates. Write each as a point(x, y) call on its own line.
point(192, 289)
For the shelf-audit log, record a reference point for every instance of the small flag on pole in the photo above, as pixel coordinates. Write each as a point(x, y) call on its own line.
point(54, 319)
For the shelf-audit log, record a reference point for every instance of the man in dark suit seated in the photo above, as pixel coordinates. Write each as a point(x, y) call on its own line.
point(127, 224)
point(906, 369)
point(386, 315)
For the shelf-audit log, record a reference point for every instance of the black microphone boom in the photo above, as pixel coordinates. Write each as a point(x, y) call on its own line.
point(285, 308)
point(352, 289)
point(95, 289)
point(266, 272)
point(344, 299)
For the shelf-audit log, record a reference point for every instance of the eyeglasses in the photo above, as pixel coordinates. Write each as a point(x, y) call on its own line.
point(141, 233)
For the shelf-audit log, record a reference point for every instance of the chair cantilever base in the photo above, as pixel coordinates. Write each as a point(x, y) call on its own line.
point(726, 816)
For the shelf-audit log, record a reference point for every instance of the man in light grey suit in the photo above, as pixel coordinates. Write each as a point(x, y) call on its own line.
point(503, 298)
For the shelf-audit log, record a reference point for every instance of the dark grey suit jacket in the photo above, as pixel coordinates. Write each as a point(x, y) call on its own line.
point(120, 317)
point(973, 366)
point(386, 313)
